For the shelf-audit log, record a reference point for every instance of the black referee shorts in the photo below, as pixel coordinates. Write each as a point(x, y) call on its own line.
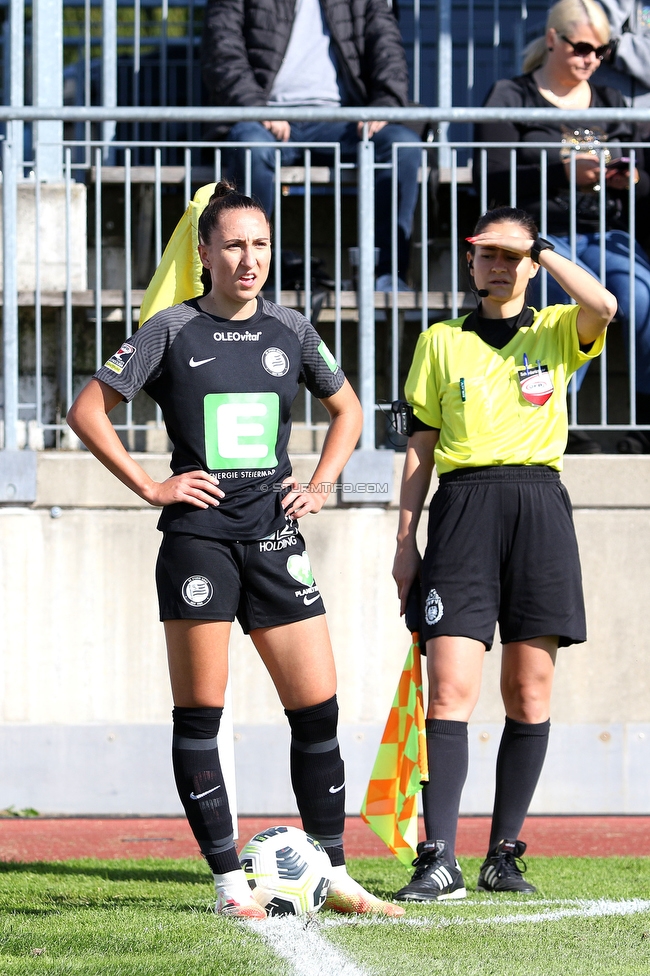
point(502, 548)
point(264, 583)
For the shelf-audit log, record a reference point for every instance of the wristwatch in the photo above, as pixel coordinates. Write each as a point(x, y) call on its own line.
point(540, 245)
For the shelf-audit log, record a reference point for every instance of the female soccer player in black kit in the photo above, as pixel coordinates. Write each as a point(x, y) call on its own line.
point(489, 397)
point(225, 369)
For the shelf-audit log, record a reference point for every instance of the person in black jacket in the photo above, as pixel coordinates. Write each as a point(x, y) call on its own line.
point(309, 53)
point(557, 73)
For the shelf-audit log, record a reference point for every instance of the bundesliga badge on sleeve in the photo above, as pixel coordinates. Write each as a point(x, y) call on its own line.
point(535, 383)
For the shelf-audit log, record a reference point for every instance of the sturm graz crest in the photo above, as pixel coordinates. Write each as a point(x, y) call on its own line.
point(433, 608)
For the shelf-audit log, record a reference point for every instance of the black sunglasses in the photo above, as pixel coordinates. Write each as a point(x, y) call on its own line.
point(583, 49)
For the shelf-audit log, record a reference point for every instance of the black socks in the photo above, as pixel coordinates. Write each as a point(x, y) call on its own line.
point(519, 764)
point(318, 774)
point(447, 750)
point(201, 786)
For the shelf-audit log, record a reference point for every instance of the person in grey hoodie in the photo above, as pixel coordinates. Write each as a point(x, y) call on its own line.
point(628, 66)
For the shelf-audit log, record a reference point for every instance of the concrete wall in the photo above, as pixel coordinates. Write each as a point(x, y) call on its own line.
point(84, 699)
point(52, 222)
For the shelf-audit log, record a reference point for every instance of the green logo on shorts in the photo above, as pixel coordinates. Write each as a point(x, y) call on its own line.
point(241, 430)
point(300, 568)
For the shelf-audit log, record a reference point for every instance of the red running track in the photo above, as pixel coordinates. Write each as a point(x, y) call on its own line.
point(67, 838)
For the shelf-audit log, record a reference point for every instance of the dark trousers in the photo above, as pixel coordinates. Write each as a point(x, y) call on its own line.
point(345, 133)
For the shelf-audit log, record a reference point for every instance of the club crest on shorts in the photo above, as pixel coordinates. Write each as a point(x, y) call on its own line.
point(275, 361)
point(433, 608)
point(197, 591)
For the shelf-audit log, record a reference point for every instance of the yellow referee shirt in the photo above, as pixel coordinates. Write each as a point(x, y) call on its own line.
point(498, 406)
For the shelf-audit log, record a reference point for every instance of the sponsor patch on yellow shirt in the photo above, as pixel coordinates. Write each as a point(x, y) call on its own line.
point(536, 384)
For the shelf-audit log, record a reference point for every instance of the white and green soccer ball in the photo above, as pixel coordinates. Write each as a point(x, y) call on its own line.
point(288, 871)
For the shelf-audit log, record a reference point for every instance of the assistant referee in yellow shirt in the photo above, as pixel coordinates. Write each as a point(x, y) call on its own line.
point(488, 393)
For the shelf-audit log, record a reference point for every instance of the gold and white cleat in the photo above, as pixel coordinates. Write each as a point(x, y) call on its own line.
point(249, 909)
point(235, 898)
point(348, 897)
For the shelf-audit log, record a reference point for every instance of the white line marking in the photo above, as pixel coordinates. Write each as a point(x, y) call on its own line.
point(298, 941)
point(584, 909)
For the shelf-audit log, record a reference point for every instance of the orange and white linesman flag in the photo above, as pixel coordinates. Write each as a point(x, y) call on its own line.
point(178, 276)
point(390, 804)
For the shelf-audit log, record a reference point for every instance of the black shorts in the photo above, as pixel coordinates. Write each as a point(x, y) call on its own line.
point(502, 548)
point(263, 584)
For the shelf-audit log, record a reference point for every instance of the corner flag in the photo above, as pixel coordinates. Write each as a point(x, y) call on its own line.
point(390, 804)
point(178, 276)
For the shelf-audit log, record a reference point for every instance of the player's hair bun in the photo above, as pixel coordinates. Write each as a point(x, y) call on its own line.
point(222, 189)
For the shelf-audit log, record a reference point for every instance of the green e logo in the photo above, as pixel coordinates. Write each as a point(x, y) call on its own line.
point(241, 429)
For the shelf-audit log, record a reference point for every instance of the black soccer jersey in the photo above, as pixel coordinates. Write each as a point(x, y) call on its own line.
point(225, 388)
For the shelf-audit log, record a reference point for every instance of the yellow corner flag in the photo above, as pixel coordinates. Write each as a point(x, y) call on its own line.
point(390, 804)
point(178, 276)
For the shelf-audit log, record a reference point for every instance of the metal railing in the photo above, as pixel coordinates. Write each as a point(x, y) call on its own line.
point(146, 52)
point(74, 266)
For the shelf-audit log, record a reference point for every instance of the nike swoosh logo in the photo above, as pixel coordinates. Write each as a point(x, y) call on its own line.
point(201, 362)
point(199, 796)
point(307, 600)
point(336, 789)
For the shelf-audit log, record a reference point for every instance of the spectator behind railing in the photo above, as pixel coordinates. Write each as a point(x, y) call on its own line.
point(309, 53)
point(628, 65)
point(557, 72)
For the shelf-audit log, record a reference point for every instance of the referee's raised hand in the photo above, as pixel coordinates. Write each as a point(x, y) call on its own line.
point(503, 242)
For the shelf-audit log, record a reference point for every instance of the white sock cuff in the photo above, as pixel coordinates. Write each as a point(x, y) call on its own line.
point(233, 881)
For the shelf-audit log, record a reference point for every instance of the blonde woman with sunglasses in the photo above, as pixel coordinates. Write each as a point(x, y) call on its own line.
point(558, 73)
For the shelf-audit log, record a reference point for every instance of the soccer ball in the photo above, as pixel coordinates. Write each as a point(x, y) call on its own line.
point(288, 871)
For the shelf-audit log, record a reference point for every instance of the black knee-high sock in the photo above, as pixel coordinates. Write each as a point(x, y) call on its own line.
point(519, 764)
point(447, 749)
point(201, 786)
point(318, 774)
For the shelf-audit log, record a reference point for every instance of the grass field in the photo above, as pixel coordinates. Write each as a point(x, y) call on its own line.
point(153, 918)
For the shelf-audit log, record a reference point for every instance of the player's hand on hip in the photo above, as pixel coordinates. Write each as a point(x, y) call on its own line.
point(280, 130)
point(406, 567)
point(302, 500)
point(197, 488)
